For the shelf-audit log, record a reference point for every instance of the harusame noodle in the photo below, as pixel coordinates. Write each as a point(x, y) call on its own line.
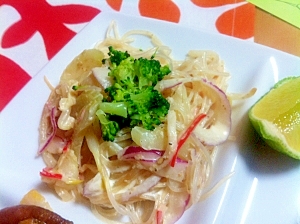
point(139, 176)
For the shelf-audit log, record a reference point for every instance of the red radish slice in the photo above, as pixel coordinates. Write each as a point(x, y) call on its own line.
point(185, 136)
point(47, 173)
point(159, 217)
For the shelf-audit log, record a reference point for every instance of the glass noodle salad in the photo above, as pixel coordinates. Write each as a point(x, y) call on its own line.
point(134, 132)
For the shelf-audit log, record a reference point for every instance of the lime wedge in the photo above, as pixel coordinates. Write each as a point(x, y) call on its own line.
point(276, 117)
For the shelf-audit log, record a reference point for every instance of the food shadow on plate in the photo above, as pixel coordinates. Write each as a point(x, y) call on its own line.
point(260, 157)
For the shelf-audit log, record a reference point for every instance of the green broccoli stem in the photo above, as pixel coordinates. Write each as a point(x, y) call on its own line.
point(115, 108)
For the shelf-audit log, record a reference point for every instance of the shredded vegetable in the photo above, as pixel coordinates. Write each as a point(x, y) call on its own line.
point(143, 176)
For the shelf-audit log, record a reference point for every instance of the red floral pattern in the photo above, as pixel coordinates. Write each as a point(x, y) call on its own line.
point(13, 78)
point(48, 20)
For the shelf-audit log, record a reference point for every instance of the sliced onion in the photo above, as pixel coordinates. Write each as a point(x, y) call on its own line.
point(56, 145)
point(219, 113)
point(145, 186)
point(93, 188)
point(219, 129)
point(168, 83)
point(177, 173)
point(175, 210)
point(101, 74)
point(53, 132)
point(141, 154)
point(148, 158)
point(147, 139)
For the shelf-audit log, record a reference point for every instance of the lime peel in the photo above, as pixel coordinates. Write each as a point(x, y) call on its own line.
point(279, 102)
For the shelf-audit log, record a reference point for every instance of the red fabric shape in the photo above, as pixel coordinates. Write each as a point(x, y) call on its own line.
point(10, 38)
point(39, 16)
point(214, 3)
point(237, 22)
point(12, 80)
point(115, 4)
point(160, 9)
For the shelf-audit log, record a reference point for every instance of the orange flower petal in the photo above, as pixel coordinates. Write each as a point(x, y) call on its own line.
point(237, 22)
point(115, 4)
point(168, 10)
point(214, 3)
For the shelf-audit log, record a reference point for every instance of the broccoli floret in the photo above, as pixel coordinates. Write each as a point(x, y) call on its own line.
point(116, 93)
point(165, 70)
point(130, 72)
point(149, 71)
point(134, 90)
point(109, 127)
point(124, 73)
point(117, 56)
point(147, 108)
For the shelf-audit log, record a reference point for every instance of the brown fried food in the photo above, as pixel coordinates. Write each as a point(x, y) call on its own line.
point(30, 214)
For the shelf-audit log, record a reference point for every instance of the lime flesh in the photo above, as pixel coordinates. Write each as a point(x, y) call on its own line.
point(276, 117)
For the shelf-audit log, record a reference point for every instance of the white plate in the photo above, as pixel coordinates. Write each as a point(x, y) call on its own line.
point(265, 187)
